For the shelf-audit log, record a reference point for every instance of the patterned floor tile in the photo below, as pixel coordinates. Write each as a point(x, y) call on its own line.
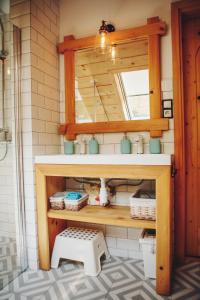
point(120, 279)
point(9, 268)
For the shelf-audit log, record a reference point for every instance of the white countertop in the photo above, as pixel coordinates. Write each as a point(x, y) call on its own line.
point(105, 159)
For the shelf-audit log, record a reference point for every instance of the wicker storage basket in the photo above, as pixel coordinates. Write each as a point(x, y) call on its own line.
point(143, 205)
point(76, 205)
point(57, 201)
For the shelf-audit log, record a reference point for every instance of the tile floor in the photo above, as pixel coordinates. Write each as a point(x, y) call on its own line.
point(120, 279)
point(8, 261)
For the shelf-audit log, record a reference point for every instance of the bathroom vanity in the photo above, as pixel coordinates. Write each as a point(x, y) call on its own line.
point(50, 178)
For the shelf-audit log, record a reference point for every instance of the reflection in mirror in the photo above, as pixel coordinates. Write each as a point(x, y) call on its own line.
point(108, 89)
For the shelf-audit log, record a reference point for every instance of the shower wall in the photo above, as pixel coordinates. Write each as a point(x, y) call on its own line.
point(7, 195)
point(39, 23)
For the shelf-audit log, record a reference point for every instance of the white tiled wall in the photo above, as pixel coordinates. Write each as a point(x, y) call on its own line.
point(39, 21)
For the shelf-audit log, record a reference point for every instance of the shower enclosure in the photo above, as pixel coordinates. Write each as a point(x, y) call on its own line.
point(12, 230)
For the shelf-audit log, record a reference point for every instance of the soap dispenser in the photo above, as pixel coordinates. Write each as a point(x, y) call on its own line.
point(93, 146)
point(125, 145)
point(140, 146)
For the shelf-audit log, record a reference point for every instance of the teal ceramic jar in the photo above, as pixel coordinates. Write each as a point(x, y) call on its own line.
point(154, 146)
point(125, 145)
point(69, 147)
point(93, 146)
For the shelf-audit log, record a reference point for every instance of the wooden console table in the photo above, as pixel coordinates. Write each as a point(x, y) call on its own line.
point(50, 178)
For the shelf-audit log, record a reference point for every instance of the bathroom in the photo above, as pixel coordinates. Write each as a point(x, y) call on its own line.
point(32, 107)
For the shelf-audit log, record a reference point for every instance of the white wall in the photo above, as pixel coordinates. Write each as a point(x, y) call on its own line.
point(83, 18)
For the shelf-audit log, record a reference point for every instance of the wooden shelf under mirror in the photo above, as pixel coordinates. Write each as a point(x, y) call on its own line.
point(101, 103)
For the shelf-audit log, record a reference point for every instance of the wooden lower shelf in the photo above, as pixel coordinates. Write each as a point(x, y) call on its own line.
point(111, 215)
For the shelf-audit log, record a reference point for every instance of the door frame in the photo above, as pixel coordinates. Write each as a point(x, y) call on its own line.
point(178, 10)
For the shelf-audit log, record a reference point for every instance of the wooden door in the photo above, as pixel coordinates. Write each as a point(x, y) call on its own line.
point(191, 73)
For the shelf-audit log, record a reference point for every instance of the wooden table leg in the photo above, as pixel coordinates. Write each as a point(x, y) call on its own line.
point(43, 233)
point(47, 229)
point(164, 233)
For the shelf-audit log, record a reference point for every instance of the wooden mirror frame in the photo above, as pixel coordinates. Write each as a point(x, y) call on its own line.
point(153, 30)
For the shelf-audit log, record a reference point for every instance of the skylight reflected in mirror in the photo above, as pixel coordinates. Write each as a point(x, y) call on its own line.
point(112, 91)
point(135, 91)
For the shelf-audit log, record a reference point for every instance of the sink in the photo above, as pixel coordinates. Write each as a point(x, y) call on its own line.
point(105, 159)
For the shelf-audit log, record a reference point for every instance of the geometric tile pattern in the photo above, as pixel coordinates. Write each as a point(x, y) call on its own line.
point(8, 261)
point(120, 279)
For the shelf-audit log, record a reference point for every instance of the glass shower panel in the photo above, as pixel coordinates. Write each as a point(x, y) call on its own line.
point(11, 234)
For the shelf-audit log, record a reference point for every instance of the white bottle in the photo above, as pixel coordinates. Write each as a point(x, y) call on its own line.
point(83, 146)
point(140, 147)
point(103, 195)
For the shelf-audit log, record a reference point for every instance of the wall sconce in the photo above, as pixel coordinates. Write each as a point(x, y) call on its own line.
point(103, 41)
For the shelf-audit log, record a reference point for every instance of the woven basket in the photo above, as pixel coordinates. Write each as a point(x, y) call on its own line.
point(143, 207)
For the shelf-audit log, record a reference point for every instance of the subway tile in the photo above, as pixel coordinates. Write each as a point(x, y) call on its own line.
point(134, 233)
point(29, 176)
point(36, 24)
point(22, 21)
point(168, 148)
point(168, 136)
point(107, 149)
point(115, 231)
point(32, 254)
point(27, 151)
point(50, 14)
point(27, 125)
point(26, 46)
point(33, 34)
point(112, 138)
point(31, 216)
point(26, 59)
point(38, 150)
point(38, 125)
point(52, 104)
point(111, 242)
point(135, 254)
point(171, 123)
point(20, 9)
point(37, 49)
point(166, 85)
point(27, 139)
point(26, 33)
point(118, 252)
point(31, 229)
point(26, 72)
point(43, 18)
point(33, 264)
point(32, 242)
point(51, 127)
point(49, 150)
point(128, 244)
point(122, 198)
point(44, 114)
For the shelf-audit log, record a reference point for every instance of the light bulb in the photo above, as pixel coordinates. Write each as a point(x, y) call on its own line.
point(103, 40)
point(113, 52)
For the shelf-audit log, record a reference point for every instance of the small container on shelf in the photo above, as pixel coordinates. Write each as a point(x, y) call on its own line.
point(57, 201)
point(143, 205)
point(74, 203)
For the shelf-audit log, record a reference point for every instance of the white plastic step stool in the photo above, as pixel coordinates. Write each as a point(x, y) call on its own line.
point(85, 245)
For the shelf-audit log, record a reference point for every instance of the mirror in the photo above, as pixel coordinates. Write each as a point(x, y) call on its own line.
point(114, 95)
point(112, 89)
